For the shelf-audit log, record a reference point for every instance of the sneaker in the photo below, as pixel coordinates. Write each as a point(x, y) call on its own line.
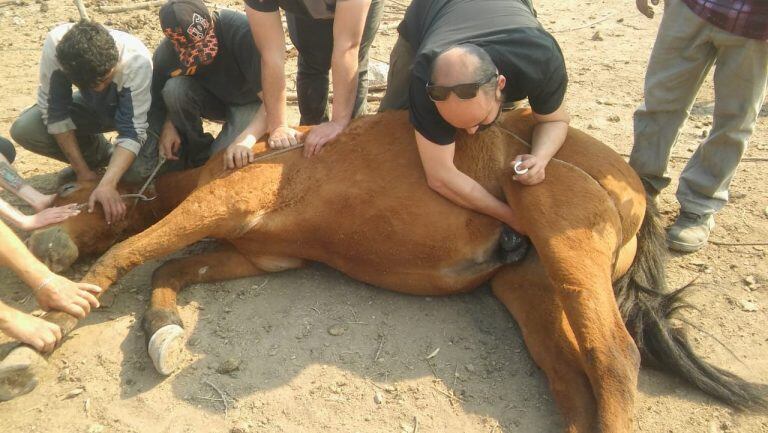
point(690, 232)
point(65, 175)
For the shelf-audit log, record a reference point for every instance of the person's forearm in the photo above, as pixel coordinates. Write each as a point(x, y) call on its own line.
point(67, 141)
point(273, 83)
point(344, 67)
point(11, 214)
point(119, 163)
point(14, 255)
point(548, 138)
point(11, 181)
point(467, 192)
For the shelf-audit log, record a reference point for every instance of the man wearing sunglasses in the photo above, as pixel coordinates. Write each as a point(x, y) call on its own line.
point(454, 65)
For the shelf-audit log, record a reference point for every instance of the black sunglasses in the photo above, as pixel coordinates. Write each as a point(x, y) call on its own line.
point(463, 91)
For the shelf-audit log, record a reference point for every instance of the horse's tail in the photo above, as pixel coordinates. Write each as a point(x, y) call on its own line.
point(647, 307)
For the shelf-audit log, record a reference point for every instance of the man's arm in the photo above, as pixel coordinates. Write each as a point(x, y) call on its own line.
point(348, 25)
point(548, 137)
point(448, 181)
point(268, 35)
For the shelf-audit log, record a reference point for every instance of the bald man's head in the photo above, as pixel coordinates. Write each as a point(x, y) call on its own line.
point(466, 63)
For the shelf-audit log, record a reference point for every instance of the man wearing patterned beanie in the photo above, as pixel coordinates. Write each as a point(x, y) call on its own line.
point(207, 67)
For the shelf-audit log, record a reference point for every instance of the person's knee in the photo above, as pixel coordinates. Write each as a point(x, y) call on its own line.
point(177, 93)
point(23, 129)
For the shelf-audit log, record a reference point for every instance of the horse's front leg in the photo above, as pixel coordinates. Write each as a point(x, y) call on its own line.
point(162, 324)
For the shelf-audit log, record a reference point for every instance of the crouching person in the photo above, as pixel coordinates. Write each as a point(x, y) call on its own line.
point(207, 67)
point(112, 71)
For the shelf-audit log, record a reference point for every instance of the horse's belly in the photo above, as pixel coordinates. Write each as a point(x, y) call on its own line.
point(430, 256)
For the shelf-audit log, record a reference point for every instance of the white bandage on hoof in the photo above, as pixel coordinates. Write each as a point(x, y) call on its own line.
point(165, 348)
point(517, 168)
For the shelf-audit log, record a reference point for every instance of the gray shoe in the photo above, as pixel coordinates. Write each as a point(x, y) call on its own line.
point(690, 232)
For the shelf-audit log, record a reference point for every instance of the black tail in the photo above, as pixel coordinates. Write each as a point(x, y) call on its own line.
point(647, 307)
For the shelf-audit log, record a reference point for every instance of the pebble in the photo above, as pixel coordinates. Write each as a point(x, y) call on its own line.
point(748, 306)
point(74, 393)
point(750, 280)
point(337, 330)
point(597, 36)
point(470, 368)
point(377, 72)
point(230, 365)
point(765, 211)
point(614, 118)
point(378, 398)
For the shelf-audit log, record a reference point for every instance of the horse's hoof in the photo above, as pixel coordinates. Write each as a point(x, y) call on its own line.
point(18, 373)
point(165, 348)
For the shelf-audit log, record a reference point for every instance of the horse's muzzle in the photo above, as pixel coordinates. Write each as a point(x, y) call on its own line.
point(54, 247)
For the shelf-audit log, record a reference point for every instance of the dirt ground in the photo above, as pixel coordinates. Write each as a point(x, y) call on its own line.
point(314, 351)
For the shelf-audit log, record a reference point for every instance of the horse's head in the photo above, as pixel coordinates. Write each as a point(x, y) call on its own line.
point(58, 246)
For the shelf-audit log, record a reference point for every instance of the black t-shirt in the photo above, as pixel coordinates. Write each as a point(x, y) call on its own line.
point(507, 30)
point(234, 76)
point(318, 9)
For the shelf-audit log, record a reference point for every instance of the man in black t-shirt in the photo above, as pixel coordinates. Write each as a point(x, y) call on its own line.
point(454, 65)
point(207, 67)
point(329, 35)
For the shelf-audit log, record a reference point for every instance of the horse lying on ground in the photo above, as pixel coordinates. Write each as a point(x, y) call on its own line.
point(594, 282)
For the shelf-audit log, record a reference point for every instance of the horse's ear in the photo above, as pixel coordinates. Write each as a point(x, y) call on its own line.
point(68, 188)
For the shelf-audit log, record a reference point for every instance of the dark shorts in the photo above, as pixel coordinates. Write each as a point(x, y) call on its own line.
point(7, 149)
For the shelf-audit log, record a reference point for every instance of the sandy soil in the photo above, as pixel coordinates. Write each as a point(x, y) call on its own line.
point(266, 343)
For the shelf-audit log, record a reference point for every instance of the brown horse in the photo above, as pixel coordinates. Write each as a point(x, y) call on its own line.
point(594, 282)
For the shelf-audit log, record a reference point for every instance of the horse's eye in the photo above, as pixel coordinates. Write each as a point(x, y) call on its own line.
point(68, 189)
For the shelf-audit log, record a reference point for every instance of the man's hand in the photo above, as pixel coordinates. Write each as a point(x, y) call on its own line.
point(282, 137)
point(237, 155)
point(61, 294)
point(321, 134)
point(535, 166)
point(48, 216)
point(38, 333)
point(645, 8)
point(170, 141)
point(114, 208)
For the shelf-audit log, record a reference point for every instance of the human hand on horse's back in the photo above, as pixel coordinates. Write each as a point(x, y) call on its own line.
point(238, 155)
point(320, 135)
point(283, 136)
point(531, 169)
point(59, 293)
point(645, 8)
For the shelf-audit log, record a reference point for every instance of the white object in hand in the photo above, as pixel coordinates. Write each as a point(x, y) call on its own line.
point(517, 168)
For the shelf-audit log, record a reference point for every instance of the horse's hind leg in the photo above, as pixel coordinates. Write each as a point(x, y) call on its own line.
point(576, 230)
point(532, 300)
point(162, 323)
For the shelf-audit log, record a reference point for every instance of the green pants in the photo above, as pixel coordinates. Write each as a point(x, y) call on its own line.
point(686, 48)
